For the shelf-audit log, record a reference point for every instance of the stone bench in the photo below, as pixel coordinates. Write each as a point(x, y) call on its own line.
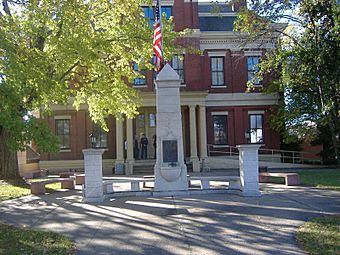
point(234, 181)
point(80, 179)
point(32, 175)
point(291, 179)
point(38, 188)
point(135, 184)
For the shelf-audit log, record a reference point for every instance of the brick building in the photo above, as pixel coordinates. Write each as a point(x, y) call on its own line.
point(216, 107)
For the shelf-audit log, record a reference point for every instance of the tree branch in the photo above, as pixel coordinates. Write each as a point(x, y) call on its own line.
point(6, 7)
point(69, 70)
point(290, 37)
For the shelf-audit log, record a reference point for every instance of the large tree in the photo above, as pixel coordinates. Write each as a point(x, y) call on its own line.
point(68, 52)
point(305, 63)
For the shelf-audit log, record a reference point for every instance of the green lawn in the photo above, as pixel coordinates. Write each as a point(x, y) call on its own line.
point(21, 241)
point(10, 189)
point(321, 179)
point(321, 236)
point(329, 179)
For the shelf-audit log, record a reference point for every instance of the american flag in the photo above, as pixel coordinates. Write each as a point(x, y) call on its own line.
point(157, 38)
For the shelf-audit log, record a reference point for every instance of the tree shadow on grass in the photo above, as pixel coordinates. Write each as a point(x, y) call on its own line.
point(15, 240)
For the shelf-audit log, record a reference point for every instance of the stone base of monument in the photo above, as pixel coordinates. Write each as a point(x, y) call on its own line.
point(171, 178)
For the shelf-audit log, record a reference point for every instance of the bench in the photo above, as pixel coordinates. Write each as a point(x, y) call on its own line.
point(152, 177)
point(38, 188)
point(291, 179)
point(234, 181)
point(108, 184)
point(66, 174)
point(80, 179)
point(32, 175)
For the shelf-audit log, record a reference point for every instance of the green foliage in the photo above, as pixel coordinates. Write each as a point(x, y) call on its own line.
point(304, 65)
point(80, 52)
point(21, 241)
point(320, 236)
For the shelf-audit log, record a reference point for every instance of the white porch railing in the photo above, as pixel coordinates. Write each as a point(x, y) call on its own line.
point(271, 155)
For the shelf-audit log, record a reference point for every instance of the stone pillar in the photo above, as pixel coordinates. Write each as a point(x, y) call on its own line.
point(129, 138)
point(193, 139)
point(170, 170)
point(119, 163)
point(249, 169)
point(21, 161)
point(203, 132)
point(93, 175)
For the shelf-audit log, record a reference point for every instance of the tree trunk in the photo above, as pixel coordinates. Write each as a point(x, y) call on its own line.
point(335, 140)
point(8, 159)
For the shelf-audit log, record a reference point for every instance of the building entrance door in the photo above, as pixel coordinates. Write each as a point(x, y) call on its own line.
point(146, 124)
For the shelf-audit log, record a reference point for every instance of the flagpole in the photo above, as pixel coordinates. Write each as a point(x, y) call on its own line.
point(160, 20)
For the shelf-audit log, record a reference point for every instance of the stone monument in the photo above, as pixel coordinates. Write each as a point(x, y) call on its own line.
point(170, 170)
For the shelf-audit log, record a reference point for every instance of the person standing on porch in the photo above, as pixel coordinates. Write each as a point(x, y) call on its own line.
point(154, 142)
point(144, 146)
point(135, 148)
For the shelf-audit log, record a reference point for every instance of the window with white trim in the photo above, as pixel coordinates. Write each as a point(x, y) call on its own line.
point(178, 65)
point(217, 71)
point(149, 13)
point(62, 128)
point(256, 128)
point(252, 68)
point(139, 81)
point(220, 129)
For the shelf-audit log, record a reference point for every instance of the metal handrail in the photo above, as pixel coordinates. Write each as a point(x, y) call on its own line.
point(285, 155)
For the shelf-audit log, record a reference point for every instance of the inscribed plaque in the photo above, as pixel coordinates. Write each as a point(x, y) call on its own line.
point(170, 151)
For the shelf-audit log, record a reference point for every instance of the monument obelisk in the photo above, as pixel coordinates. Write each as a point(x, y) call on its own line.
point(170, 170)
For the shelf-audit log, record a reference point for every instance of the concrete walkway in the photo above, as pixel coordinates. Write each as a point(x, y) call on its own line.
point(205, 224)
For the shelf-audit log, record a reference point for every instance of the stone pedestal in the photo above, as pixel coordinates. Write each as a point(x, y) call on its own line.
point(249, 165)
point(93, 175)
point(170, 170)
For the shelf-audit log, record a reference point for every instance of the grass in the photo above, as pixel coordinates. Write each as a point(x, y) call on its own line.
point(10, 189)
point(321, 179)
point(320, 236)
point(23, 241)
point(329, 179)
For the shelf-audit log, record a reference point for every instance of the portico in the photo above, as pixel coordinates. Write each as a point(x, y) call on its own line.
point(194, 129)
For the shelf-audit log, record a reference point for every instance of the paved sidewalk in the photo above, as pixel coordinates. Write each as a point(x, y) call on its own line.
point(205, 224)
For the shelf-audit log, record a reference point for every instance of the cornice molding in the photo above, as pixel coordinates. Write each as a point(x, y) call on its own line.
point(241, 99)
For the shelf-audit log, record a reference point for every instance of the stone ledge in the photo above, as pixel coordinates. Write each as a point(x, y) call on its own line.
point(171, 193)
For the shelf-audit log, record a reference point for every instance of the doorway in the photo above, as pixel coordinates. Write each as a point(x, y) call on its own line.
point(146, 124)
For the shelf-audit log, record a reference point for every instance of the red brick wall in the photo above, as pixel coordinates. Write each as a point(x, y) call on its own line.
point(80, 130)
point(238, 122)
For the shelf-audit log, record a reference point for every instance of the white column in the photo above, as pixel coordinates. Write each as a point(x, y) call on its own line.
point(93, 175)
point(249, 169)
point(129, 157)
point(203, 132)
point(193, 139)
point(119, 146)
